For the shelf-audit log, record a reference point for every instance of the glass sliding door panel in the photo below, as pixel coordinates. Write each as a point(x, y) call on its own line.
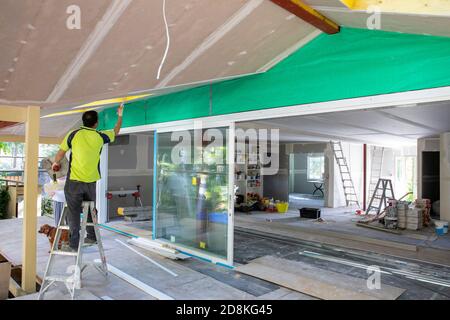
point(192, 197)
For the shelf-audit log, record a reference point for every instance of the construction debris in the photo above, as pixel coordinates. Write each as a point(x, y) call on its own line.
point(135, 213)
point(159, 248)
point(316, 282)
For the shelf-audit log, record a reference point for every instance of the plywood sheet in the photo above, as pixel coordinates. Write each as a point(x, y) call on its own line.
point(5, 274)
point(316, 282)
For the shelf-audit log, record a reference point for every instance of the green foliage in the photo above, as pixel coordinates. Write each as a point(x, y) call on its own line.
point(46, 207)
point(4, 146)
point(410, 197)
point(4, 200)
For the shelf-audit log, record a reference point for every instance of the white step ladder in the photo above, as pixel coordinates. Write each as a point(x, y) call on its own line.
point(382, 194)
point(376, 167)
point(73, 280)
point(347, 182)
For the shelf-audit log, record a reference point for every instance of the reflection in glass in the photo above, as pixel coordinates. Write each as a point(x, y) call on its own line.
point(192, 190)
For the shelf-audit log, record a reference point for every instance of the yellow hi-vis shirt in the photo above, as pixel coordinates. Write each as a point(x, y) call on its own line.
point(86, 145)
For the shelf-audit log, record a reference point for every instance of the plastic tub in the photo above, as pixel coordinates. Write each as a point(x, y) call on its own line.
point(282, 207)
point(440, 227)
point(445, 226)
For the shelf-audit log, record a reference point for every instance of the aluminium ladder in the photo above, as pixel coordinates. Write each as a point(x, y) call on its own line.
point(376, 167)
point(347, 182)
point(73, 280)
point(381, 195)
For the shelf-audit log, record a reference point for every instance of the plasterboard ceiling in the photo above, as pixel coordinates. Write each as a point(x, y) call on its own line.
point(387, 126)
point(121, 43)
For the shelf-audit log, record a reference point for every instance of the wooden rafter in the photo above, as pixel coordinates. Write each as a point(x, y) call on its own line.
point(309, 15)
point(19, 138)
point(5, 124)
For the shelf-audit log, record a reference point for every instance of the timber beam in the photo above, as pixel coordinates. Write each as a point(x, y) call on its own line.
point(308, 14)
point(42, 140)
point(13, 114)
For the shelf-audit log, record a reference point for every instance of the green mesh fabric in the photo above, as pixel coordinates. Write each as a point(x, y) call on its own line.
point(353, 63)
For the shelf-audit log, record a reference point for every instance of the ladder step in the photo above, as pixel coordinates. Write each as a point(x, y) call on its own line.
point(57, 278)
point(64, 253)
point(89, 224)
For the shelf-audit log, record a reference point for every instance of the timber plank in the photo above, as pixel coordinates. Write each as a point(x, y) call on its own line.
point(316, 282)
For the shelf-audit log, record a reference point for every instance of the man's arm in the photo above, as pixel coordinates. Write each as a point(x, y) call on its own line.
point(59, 156)
point(119, 119)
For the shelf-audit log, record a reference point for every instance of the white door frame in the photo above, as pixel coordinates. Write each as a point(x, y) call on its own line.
point(230, 159)
point(102, 187)
point(363, 103)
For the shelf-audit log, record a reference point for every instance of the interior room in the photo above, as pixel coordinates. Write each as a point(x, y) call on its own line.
point(395, 143)
point(392, 144)
point(129, 184)
point(263, 149)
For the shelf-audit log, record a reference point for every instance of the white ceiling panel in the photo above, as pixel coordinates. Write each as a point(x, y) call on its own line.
point(433, 116)
point(375, 121)
point(405, 23)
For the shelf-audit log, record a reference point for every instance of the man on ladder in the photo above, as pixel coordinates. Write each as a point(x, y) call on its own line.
point(86, 144)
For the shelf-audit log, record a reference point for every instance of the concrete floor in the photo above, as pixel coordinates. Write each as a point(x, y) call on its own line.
point(202, 280)
point(195, 279)
point(343, 220)
point(413, 276)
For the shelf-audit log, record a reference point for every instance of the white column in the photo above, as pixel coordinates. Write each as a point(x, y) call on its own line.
point(445, 176)
point(102, 187)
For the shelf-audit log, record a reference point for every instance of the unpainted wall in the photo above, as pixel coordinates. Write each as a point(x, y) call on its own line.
point(298, 174)
point(130, 163)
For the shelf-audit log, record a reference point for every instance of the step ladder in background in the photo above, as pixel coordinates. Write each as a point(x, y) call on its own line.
point(376, 167)
point(72, 279)
point(351, 197)
point(380, 197)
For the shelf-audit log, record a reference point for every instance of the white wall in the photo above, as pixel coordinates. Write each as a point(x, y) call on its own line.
point(354, 155)
point(389, 167)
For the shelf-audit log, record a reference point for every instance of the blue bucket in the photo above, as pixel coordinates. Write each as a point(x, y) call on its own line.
point(440, 227)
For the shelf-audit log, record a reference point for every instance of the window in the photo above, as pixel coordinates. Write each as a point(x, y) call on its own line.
point(405, 176)
point(315, 166)
point(12, 156)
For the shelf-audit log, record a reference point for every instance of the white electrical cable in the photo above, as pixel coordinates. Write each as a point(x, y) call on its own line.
point(168, 41)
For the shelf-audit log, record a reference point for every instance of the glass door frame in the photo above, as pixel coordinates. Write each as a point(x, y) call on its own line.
point(193, 125)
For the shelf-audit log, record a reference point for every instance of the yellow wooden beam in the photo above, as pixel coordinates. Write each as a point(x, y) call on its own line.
point(13, 114)
point(438, 7)
point(349, 3)
point(42, 140)
point(29, 228)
